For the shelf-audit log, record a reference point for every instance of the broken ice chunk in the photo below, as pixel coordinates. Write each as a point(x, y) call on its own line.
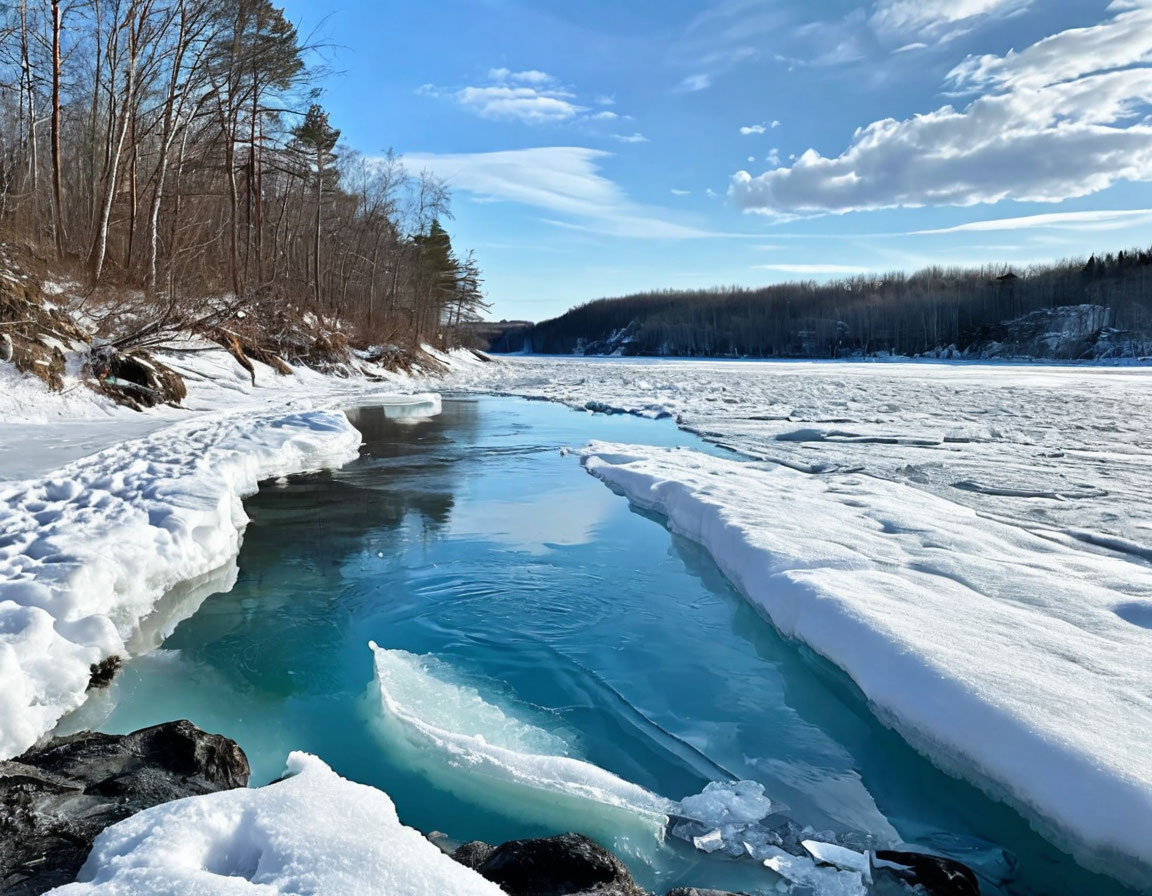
point(709, 842)
point(840, 857)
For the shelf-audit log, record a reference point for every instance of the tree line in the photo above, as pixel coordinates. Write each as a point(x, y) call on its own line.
point(178, 148)
point(905, 314)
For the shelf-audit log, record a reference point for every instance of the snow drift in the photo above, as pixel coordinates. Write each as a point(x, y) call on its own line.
point(313, 832)
point(1007, 657)
point(88, 551)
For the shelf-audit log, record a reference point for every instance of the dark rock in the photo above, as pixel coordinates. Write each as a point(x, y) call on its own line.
point(934, 875)
point(103, 672)
point(55, 799)
point(568, 865)
point(473, 854)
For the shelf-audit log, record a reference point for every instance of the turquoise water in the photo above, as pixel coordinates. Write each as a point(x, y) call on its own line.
point(545, 599)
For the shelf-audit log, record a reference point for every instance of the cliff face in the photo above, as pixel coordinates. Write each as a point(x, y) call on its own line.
point(1063, 333)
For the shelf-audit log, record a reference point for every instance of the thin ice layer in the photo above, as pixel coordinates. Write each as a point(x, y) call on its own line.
point(87, 552)
point(446, 730)
point(1001, 654)
point(314, 832)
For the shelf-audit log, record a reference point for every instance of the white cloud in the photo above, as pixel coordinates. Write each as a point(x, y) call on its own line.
point(814, 269)
point(775, 123)
point(694, 83)
point(561, 180)
point(1087, 220)
point(632, 138)
point(531, 96)
point(1117, 43)
point(935, 17)
point(1053, 126)
point(751, 159)
point(676, 192)
point(753, 129)
point(773, 157)
point(531, 76)
point(526, 104)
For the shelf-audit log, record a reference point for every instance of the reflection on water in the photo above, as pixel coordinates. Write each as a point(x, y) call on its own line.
point(471, 538)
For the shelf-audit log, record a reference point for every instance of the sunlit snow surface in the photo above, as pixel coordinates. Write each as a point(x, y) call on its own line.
point(120, 508)
point(313, 832)
point(970, 543)
point(87, 552)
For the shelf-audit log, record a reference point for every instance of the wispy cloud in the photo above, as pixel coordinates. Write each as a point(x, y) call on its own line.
point(563, 180)
point(531, 96)
point(939, 19)
point(1087, 220)
point(695, 83)
point(630, 138)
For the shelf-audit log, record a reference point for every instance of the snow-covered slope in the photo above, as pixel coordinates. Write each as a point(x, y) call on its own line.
point(313, 832)
point(86, 552)
point(123, 506)
point(1023, 664)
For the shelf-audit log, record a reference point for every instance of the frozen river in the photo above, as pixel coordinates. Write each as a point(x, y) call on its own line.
point(514, 596)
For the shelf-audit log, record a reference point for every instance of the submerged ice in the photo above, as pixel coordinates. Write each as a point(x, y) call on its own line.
point(459, 740)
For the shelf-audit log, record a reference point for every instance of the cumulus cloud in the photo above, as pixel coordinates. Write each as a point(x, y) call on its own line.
point(1052, 124)
point(563, 180)
point(753, 129)
point(630, 138)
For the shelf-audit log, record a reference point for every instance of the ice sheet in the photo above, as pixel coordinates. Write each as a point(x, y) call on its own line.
point(1005, 656)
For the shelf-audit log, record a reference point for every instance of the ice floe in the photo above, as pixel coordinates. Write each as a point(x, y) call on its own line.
point(1006, 657)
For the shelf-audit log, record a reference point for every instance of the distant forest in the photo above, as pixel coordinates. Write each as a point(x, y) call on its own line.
point(964, 309)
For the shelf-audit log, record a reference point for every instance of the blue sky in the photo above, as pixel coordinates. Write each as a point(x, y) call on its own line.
point(600, 148)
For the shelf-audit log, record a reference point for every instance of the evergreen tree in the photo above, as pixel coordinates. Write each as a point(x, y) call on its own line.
point(316, 139)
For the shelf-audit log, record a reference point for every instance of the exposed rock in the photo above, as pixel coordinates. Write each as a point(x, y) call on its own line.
point(933, 875)
point(568, 865)
point(55, 799)
point(474, 853)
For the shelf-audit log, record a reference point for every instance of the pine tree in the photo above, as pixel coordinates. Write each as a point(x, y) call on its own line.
point(317, 138)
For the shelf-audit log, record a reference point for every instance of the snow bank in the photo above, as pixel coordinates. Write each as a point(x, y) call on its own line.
point(314, 832)
point(444, 728)
point(1005, 656)
point(86, 552)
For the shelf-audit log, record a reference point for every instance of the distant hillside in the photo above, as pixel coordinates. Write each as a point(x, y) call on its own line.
point(1070, 310)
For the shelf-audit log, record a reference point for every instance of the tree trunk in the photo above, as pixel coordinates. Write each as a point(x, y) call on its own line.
point(57, 200)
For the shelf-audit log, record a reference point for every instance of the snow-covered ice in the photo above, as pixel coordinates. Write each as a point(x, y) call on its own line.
point(313, 832)
point(1000, 653)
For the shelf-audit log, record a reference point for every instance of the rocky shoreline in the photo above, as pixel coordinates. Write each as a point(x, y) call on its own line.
point(57, 798)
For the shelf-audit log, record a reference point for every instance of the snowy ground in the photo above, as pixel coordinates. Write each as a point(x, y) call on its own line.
point(313, 832)
point(105, 510)
point(970, 543)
